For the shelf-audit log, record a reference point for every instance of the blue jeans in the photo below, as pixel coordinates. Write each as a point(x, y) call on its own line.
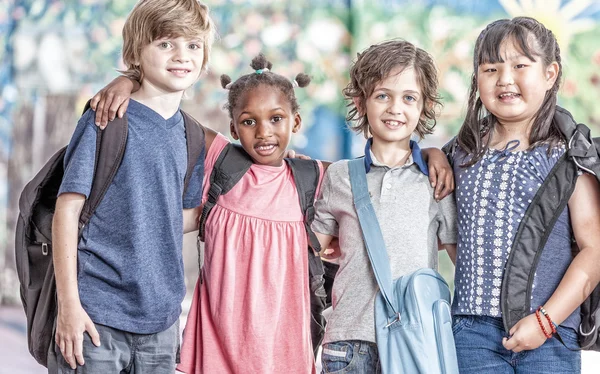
point(123, 352)
point(350, 356)
point(479, 349)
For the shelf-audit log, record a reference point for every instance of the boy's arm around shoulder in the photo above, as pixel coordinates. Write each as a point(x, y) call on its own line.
point(448, 226)
point(325, 225)
point(72, 320)
point(441, 175)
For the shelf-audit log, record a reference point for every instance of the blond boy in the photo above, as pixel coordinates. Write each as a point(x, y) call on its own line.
point(120, 285)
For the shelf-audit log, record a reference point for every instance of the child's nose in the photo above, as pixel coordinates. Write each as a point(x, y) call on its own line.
point(505, 78)
point(181, 55)
point(395, 107)
point(263, 130)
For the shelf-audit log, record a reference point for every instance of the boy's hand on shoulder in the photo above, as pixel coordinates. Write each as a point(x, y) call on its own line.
point(525, 335)
point(290, 153)
point(113, 100)
point(72, 323)
point(441, 176)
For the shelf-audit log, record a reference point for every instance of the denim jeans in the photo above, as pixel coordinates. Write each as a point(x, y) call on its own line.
point(350, 356)
point(124, 352)
point(479, 349)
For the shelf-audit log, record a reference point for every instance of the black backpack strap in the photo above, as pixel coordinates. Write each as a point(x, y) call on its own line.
point(532, 235)
point(230, 167)
point(306, 177)
point(194, 135)
point(110, 148)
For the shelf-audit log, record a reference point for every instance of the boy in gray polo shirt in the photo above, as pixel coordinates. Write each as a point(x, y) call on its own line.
point(120, 286)
point(393, 89)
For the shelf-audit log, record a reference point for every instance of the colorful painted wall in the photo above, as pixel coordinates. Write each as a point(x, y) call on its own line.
point(55, 54)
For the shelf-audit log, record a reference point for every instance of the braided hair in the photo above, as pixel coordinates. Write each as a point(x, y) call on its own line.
point(262, 75)
point(535, 41)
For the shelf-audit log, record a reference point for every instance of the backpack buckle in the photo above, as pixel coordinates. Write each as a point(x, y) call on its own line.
point(398, 318)
point(45, 249)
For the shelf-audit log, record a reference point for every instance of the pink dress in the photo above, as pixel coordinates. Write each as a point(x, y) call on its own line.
point(252, 312)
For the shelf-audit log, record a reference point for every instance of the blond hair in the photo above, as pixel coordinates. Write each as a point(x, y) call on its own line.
point(154, 19)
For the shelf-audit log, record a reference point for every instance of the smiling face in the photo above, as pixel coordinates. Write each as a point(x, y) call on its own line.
point(263, 122)
point(395, 106)
point(514, 89)
point(171, 65)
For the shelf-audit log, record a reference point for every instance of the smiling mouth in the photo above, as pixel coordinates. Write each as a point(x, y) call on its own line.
point(509, 95)
point(265, 149)
point(390, 123)
point(179, 72)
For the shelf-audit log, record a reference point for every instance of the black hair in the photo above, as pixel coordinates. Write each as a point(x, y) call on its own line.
point(535, 41)
point(262, 75)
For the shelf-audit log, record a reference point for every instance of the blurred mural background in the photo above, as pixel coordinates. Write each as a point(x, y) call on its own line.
point(54, 55)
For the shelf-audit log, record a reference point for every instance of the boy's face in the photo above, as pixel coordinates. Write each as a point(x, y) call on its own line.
point(395, 106)
point(171, 64)
point(263, 122)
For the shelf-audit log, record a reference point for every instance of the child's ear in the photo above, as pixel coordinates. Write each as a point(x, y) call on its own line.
point(297, 123)
point(551, 74)
point(358, 104)
point(234, 134)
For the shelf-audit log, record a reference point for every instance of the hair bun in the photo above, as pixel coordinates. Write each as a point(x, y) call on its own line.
point(225, 80)
point(260, 62)
point(303, 80)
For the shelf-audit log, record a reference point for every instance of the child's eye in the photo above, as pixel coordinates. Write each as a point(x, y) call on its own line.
point(276, 118)
point(489, 70)
point(410, 98)
point(164, 45)
point(248, 122)
point(381, 97)
point(195, 46)
point(520, 66)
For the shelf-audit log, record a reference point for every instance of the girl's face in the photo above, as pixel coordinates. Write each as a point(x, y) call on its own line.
point(514, 90)
point(263, 122)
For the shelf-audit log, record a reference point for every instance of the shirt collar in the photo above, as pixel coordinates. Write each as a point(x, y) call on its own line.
point(416, 157)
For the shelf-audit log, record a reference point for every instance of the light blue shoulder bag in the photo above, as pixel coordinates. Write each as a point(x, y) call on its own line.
point(413, 325)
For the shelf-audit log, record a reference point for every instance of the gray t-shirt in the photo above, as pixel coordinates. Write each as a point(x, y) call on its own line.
point(411, 222)
point(130, 267)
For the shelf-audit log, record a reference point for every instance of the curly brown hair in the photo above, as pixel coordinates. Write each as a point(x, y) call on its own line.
point(262, 75)
point(375, 64)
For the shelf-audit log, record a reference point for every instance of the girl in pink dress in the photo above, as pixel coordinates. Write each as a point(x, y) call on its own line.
point(251, 306)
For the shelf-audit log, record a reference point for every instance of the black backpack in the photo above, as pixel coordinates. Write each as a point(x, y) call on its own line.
point(537, 223)
point(230, 167)
point(33, 238)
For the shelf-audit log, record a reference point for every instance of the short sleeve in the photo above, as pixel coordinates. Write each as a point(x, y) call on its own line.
point(325, 222)
point(193, 194)
point(447, 230)
point(80, 157)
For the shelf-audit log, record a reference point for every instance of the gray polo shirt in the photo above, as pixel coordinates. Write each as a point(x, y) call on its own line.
point(411, 222)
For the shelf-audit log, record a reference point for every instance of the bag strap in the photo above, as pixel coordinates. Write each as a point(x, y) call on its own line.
point(110, 148)
point(371, 231)
point(540, 217)
point(230, 167)
point(531, 237)
point(306, 175)
point(196, 151)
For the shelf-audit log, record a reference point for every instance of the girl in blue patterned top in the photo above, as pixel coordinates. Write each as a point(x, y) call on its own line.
point(506, 147)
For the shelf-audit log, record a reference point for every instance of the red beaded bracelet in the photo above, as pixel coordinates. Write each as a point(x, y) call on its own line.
point(547, 334)
point(552, 324)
